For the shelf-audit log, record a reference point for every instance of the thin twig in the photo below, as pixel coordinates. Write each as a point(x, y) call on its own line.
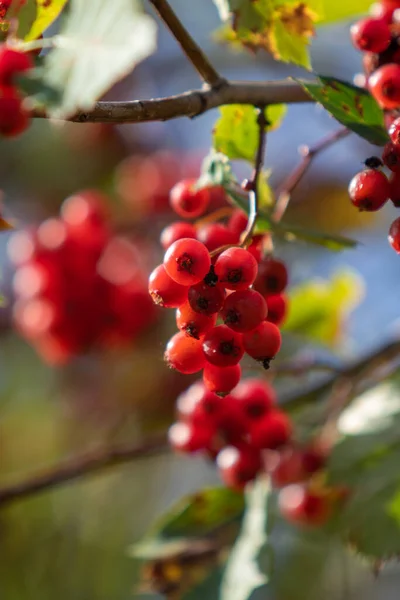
point(308, 154)
point(193, 52)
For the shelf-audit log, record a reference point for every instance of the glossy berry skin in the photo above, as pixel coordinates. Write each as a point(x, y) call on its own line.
point(184, 354)
point(255, 397)
point(164, 291)
point(391, 157)
point(244, 310)
point(272, 431)
point(176, 231)
point(369, 190)
point(236, 269)
point(238, 221)
point(384, 85)
point(221, 380)
point(394, 235)
point(222, 346)
point(395, 189)
point(187, 261)
point(394, 132)
point(194, 323)
point(300, 505)
point(188, 202)
point(14, 119)
point(206, 299)
point(189, 438)
point(238, 466)
point(277, 309)
point(263, 343)
point(272, 277)
point(215, 235)
point(12, 63)
point(370, 35)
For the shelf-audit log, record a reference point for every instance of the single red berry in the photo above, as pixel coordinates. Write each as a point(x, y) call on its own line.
point(14, 119)
point(384, 85)
point(184, 354)
point(206, 299)
point(222, 346)
point(187, 201)
point(272, 431)
point(187, 437)
point(35, 317)
point(238, 221)
point(12, 63)
point(176, 231)
point(272, 277)
point(300, 505)
point(314, 458)
point(221, 380)
point(188, 399)
point(165, 291)
point(277, 308)
point(244, 310)
point(384, 11)
point(394, 235)
point(236, 269)
point(369, 190)
point(238, 466)
point(256, 247)
point(370, 35)
point(256, 397)
point(38, 279)
point(263, 343)
point(21, 247)
point(395, 189)
point(391, 157)
point(199, 406)
point(286, 467)
point(215, 235)
point(187, 261)
point(194, 323)
point(394, 131)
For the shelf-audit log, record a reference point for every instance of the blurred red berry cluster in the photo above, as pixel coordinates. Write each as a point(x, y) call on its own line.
point(14, 117)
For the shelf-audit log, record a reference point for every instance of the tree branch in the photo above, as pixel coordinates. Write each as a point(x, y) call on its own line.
point(191, 104)
point(193, 52)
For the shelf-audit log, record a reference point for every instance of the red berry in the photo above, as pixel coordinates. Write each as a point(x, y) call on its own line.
point(384, 11)
point(236, 269)
point(271, 431)
point(215, 235)
point(13, 117)
point(301, 505)
point(286, 467)
point(394, 131)
point(187, 437)
point(238, 221)
point(221, 380)
point(194, 323)
point(391, 157)
point(21, 247)
point(394, 235)
point(384, 85)
point(369, 190)
point(263, 343)
point(238, 466)
point(244, 310)
point(200, 406)
point(176, 231)
point(277, 308)
point(187, 201)
point(256, 397)
point(165, 291)
point(12, 63)
point(395, 189)
point(370, 35)
point(256, 247)
point(187, 261)
point(184, 354)
point(272, 277)
point(222, 346)
point(206, 299)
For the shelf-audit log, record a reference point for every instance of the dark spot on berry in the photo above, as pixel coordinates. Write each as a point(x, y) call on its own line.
point(229, 348)
point(192, 331)
point(234, 276)
point(185, 263)
point(232, 317)
point(211, 279)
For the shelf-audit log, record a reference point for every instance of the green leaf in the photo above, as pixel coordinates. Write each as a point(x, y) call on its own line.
point(352, 106)
point(46, 14)
point(336, 11)
point(208, 588)
point(236, 132)
point(34, 86)
point(100, 42)
point(319, 308)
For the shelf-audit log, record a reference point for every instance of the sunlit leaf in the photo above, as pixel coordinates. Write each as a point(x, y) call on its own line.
point(47, 13)
point(337, 10)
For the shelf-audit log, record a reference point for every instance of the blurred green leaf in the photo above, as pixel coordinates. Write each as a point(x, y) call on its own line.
point(45, 14)
point(352, 106)
point(336, 11)
point(209, 588)
point(100, 43)
point(318, 309)
point(34, 86)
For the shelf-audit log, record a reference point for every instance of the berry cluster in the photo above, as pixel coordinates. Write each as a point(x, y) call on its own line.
point(14, 117)
point(78, 285)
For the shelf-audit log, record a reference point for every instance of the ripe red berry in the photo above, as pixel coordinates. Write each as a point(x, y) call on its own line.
point(215, 235)
point(12, 63)
point(164, 291)
point(394, 235)
point(236, 269)
point(271, 431)
point(394, 132)
point(238, 466)
point(272, 277)
point(238, 221)
point(188, 437)
point(244, 310)
point(370, 35)
point(255, 397)
point(263, 343)
point(384, 85)
point(221, 380)
point(384, 11)
point(187, 201)
point(395, 189)
point(277, 308)
point(222, 346)
point(184, 354)
point(369, 190)
point(187, 261)
point(194, 323)
point(176, 231)
point(206, 299)
point(299, 504)
point(391, 157)
point(14, 118)
point(286, 467)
